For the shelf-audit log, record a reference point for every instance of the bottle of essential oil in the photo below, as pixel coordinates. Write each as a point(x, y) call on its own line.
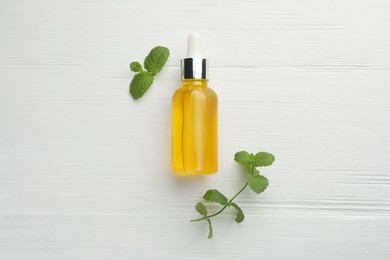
point(194, 116)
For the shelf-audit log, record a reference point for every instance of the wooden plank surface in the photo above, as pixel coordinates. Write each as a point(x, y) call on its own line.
point(84, 169)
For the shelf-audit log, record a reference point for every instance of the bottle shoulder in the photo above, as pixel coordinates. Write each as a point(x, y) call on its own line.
point(206, 91)
point(179, 92)
point(211, 91)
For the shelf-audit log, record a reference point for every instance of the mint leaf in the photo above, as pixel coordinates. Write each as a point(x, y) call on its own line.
point(240, 215)
point(257, 183)
point(153, 63)
point(243, 158)
point(263, 159)
point(210, 229)
point(201, 208)
point(136, 66)
point(156, 59)
point(140, 84)
point(215, 196)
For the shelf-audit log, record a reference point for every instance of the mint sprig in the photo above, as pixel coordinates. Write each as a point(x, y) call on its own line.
point(144, 78)
point(258, 183)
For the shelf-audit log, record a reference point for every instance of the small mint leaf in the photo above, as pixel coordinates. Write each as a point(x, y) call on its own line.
point(240, 215)
point(257, 183)
point(136, 66)
point(140, 84)
point(215, 196)
point(156, 59)
point(263, 159)
point(210, 229)
point(243, 158)
point(201, 208)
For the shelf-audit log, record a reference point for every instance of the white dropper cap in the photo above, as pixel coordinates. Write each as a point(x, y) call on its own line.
point(195, 66)
point(194, 45)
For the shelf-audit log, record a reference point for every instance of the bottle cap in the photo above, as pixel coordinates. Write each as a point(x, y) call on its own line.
point(195, 66)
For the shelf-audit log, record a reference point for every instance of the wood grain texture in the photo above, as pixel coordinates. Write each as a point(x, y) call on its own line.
point(84, 169)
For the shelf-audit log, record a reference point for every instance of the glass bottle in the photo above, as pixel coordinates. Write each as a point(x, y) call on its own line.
point(194, 116)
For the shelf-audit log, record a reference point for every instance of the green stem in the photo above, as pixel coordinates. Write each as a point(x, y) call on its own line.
point(242, 189)
point(224, 207)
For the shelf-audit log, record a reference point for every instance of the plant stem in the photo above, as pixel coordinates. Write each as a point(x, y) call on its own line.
point(224, 207)
point(242, 189)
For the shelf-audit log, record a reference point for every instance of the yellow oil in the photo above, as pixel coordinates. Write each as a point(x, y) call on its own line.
point(195, 128)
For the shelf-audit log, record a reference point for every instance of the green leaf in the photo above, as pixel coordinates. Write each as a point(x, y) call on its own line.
point(201, 208)
point(215, 196)
point(257, 183)
point(263, 159)
point(210, 229)
point(135, 66)
point(140, 84)
point(156, 59)
point(243, 158)
point(240, 215)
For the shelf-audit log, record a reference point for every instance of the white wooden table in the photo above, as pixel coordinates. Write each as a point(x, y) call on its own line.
point(84, 169)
